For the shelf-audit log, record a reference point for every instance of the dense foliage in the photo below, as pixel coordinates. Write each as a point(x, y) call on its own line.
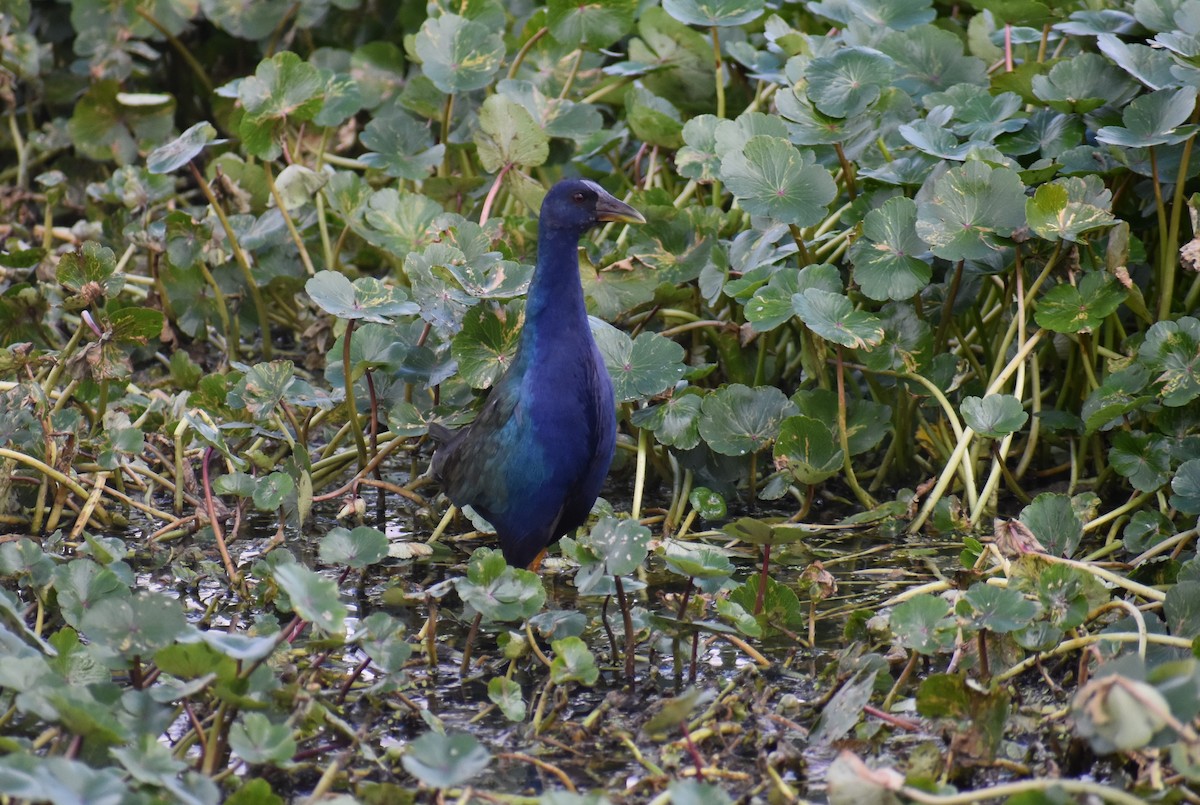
point(919, 267)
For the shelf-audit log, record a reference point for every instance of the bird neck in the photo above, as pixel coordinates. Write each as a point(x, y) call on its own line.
point(554, 308)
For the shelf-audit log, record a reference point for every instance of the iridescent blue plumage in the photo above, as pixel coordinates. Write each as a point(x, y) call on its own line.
point(534, 459)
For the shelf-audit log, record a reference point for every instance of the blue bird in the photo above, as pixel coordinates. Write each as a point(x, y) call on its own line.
point(534, 459)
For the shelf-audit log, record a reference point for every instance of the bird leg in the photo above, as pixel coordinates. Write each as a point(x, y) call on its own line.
point(536, 564)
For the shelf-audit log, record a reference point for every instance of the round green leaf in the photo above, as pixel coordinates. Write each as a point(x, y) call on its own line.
point(183, 149)
point(997, 609)
point(737, 419)
point(718, 13)
point(833, 317)
point(970, 209)
point(594, 25)
point(698, 159)
point(444, 761)
point(641, 367)
point(485, 346)
point(314, 597)
point(1172, 351)
point(708, 504)
point(362, 547)
point(1185, 487)
point(885, 259)
point(929, 59)
point(676, 422)
point(256, 740)
point(271, 490)
point(1157, 118)
point(366, 298)
point(283, 87)
point(848, 81)
point(894, 15)
point(808, 449)
point(1067, 208)
point(1083, 83)
point(707, 568)
point(508, 135)
point(1118, 713)
point(400, 146)
point(770, 176)
point(923, 624)
point(620, 544)
point(573, 662)
point(1054, 523)
point(653, 119)
point(134, 626)
point(1066, 308)
point(457, 54)
point(506, 694)
point(996, 415)
point(499, 591)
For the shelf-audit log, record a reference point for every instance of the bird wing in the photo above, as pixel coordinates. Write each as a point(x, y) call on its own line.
point(470, 456)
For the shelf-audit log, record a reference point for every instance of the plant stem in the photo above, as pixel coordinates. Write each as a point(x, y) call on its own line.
point(287, 220)
point(360, 443)
point(627, 618)
point(761, 594)
point(847, 171)
point(260, 308)
point(447, 113)
point(939, 343)
point(1177, 205)
point(180, 48)
point(566, 88)
point(519, 59)
point(491, 195)
point(864, 497)
point(718, 69)
point(639, 482)
point(465, 666)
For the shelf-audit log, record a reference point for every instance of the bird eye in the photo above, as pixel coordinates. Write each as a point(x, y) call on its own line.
point(578, 197)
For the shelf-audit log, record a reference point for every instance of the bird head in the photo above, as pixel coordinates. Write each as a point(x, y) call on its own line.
point(579, 204)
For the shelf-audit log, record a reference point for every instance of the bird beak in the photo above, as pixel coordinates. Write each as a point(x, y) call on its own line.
point(609, 208)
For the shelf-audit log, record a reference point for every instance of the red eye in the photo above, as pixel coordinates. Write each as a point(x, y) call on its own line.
point(578, 196)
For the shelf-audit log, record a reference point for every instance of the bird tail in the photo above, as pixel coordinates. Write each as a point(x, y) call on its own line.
point(440, 433)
